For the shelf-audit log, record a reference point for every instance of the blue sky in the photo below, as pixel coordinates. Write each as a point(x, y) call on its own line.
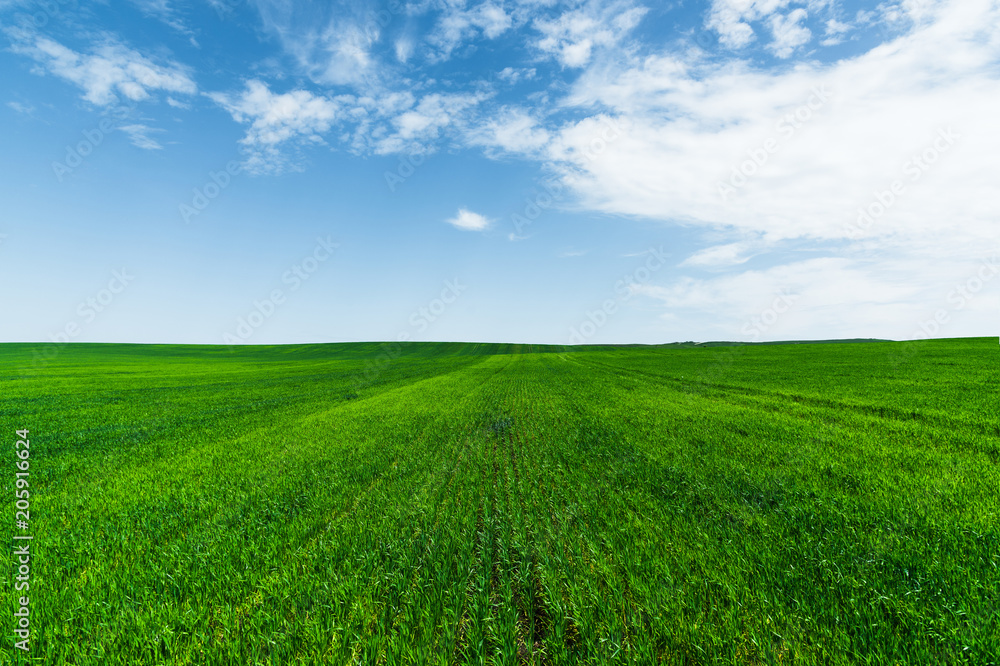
point(264, 171)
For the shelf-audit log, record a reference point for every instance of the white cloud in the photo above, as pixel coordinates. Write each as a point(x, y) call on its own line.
point(693, 124)
point(803, 297)
point(26, 109)
point(295, 117)
point(139, 136)
point(726, 255)
point(834, 31)
point(827, 297)
point(109, 72)
point(466, 219)
point(164, 11)
point(906, 11)
point(734, 21)
point(225, 7)
point(835, 27)
point(390, 122)
point(404, 48)
point(915, 112)
point(514, 74)
point(154, 7)
point(412, 129)
point(572, 37)
point(513, 130)
point(731, 19)
point(493, 20)
point(788, 32)
point(331, 41)
point(390, 103)
point(457, 25)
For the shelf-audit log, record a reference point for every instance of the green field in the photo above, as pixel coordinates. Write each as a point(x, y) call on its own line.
point(506, 504)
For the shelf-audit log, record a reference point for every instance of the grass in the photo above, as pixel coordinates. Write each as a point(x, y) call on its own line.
point(508, 504)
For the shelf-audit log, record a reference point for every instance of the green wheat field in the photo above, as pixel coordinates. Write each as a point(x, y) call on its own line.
point(443, 503)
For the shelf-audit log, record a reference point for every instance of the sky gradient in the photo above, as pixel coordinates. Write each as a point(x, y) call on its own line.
point(267, 171)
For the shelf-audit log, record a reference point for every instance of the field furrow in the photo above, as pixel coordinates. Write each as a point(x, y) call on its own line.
point(485, 505)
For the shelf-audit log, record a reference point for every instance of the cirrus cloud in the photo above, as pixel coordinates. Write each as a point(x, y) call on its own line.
point(109, 72)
